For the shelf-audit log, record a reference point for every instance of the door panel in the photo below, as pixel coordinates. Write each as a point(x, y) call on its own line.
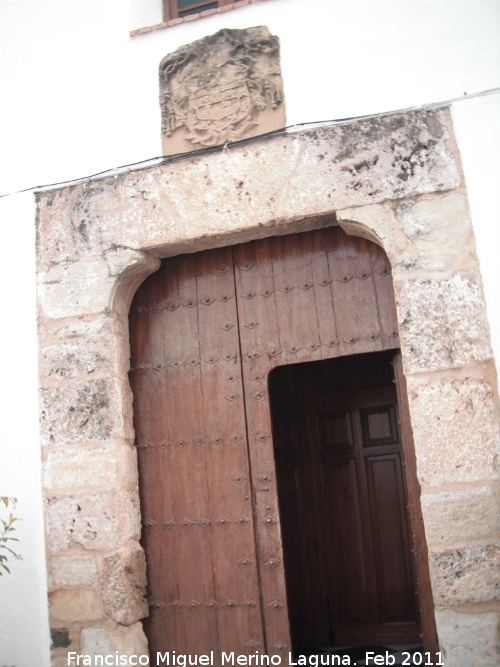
point(353, 286)
point(390, 538)
point(303, 297)
point(193, 460)
point(344, 541)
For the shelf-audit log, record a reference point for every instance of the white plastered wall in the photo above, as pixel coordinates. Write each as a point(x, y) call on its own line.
point(83, 96)
point(477, 129)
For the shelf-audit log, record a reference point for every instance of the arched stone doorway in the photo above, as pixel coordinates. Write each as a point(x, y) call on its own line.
point(395, 180)
point(206, 330)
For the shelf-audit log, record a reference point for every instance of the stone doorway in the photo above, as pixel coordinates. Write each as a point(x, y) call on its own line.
point(395, 180)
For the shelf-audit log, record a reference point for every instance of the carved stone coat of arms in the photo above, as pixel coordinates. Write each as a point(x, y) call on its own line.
point(219, 89)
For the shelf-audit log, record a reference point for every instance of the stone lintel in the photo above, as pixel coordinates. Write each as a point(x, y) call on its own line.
point(254, 190)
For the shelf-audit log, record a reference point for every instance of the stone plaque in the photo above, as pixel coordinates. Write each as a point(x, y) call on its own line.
point(221, 88)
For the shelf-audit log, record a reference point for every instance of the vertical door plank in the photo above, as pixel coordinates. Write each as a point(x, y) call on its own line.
point(258, 318)
point(261, 349)
point(384, 289)
point(325, 309)
point(295, 297)
point(236, 585)
point(142, 384)
point(190, 479)
point(354, 293)
point(191, 550)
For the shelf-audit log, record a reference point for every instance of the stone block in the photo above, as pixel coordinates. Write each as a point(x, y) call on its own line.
point(468, 575)
point(377, 223)
point(123, 586)
point(83, 356)
point(99, 466)
point(79, 605)
point(423, 266)
point(439, 225)
point(127, 640)
point(374, 160)
point(441, 323)
point(73, 570)
point(132, 267)
point(85, 328)
point(455, 428)
point(85, 410)
point(103, 521)
point(469, 640)
point(455, 517)
point(93, 327)
point(76, 288)
point(57, 239)
point(120, 260)
point(206, 75)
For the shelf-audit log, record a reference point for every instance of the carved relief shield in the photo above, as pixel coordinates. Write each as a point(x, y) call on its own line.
point(222, 88)
point(219, 115)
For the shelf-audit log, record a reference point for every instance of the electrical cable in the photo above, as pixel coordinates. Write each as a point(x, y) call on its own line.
point(166, 159)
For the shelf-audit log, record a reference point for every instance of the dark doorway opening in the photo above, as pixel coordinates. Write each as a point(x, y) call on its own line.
point(343, 501)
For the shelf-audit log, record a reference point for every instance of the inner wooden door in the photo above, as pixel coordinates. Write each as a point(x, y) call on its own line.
point(343, 503)
point(205, 332)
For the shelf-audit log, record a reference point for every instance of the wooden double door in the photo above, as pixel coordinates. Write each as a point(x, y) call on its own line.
point(206, 330)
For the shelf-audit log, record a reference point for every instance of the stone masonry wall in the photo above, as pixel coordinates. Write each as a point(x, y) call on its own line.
point(395, 180)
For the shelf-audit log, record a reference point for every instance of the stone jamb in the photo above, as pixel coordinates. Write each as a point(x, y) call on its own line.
point(396, 180)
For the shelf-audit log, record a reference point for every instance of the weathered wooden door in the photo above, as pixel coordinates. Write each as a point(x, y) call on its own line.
point(206, 329)
point(343, 503)
point(195, 486)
